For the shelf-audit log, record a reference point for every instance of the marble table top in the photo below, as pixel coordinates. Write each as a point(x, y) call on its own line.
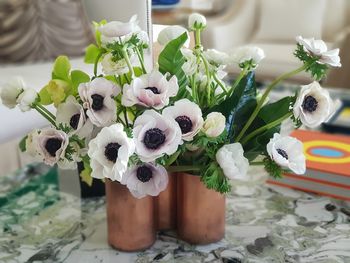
point(38, 223)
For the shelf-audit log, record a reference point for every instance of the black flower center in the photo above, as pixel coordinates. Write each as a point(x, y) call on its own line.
point(144, 174)
point(310, 104)
point(282, 153)
point(74, 121)
point(97, 102)
point(185, 124)
point(53, 145)
point(154, 138)
point(153, 89)
point(111, 151)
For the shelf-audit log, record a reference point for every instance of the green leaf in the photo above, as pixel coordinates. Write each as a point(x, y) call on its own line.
point(45, 97)
point(61, 68)
point(97, 32)
point(22, 144)
point(91, 53)
point(272, 168)
point(171, 60)
point(77, 78)
point(214, 178)
point(276, 110)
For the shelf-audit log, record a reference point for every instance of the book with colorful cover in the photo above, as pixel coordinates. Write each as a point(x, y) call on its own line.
point(327, 162)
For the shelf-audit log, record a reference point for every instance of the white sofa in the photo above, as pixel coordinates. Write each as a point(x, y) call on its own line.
point(243, 24)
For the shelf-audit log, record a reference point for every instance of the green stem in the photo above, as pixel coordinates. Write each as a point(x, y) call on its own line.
point(141, 60)
point(266, 127)
point(197, 38)
point(46, 111)
point(96, 62)
point(126, 117)
point(185, 168)
point(264, 96)
point(220, 84)
point(207, 72)
point(256, 163)
point(238, 80)
point(38, 109)
point(127, 60)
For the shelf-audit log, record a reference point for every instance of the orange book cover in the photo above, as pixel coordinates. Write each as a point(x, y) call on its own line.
point(328, 153)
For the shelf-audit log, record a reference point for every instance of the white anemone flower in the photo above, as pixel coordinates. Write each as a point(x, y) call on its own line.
point(26, 99)
point(214, 125)
point(216, 57)
point(71, 114)
point(172, 32)
point(287, 152)
point(120, 67)
point(188, 115)
point(314, 105)
point(232, 161)
point(113, 30)
point(150, 90)
point(11, 91)
point(190, 66)
point(196, 21)
point(319, 49)
point(155, 135)
point(248, 54)
point(146, 179)
point(110, 151)
point(51, 145)
point(97, 97)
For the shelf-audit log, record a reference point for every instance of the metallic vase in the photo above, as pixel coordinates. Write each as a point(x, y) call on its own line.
point(131, 221)
point(165, 206)
point(200, 211)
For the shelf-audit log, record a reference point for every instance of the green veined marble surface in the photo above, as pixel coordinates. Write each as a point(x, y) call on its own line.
point(264, 224)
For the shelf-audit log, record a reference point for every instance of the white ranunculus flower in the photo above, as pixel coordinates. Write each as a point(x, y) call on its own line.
point(71, 114)
point(97, 97)
point(146, 179)
point(188, 115)
point(143, 37)
point(319, 49)
point(248, 54)
point(110, 152)
point(287, 152)
point(314, 105)
point(11, 91)
point(113, 30)
point(214, 125)
point(150, 90)
point(51, 145)
point(120, 67)
point(172, 32)
point(155, 135)
point(190, 66)
point(216, 57)
point(196, 21)
point(232, 161)
point(26, 99)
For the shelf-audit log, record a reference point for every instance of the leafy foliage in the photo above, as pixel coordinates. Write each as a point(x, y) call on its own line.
point(22, 144)
point(91, 54)
point(214, 178)
point(272, 168)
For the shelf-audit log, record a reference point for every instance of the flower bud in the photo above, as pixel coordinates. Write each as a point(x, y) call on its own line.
point(214, 125)
point(10, 92)
point(197, 22)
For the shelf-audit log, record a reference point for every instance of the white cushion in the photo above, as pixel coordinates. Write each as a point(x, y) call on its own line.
point(283, 20)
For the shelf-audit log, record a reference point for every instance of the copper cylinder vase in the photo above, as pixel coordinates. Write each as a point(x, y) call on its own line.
point(165, 205)
point(200, 211)
point(130, 221)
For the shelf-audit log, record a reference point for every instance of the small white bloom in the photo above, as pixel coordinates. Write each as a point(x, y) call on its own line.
point(26, 99)
point(72, 114)
point(188, 115)
point(143, 37)
point(216, 57)
point(155, 135)
point(146, 179)
point(11, 91)
point(110, 152)
point(97, 97)
point(197, 21)
point(190, 66)
point(111, 31)
point(314, 105)
point(214, 124)
point(150, 90)
point(232, 161)
point(172, 32)
point(319, 49)
point(287, 152)
point(51, 145)
point(248, 54)
point(120, 67)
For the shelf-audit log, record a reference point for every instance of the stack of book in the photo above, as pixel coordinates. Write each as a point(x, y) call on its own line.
point(327, 162)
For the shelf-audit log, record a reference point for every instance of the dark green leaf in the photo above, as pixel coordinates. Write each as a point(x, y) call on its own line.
point(22, 144)
point(276, 110)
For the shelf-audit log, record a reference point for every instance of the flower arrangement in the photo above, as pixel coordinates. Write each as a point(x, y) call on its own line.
point(135, 125)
